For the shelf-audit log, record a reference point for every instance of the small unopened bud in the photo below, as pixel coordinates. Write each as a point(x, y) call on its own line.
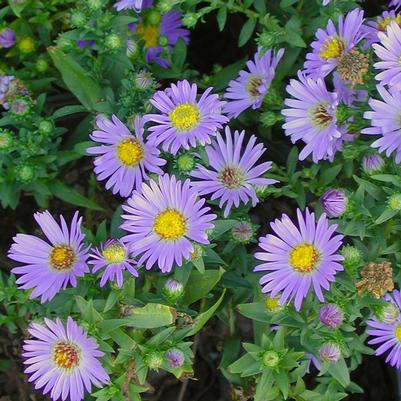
point(26, 45)
point(163, 41)
point(330, 352)
point(175, 358)
point(185, 163)
point(173, 290)
point(270, 359)
point(272, 304)
point(42, 65)
point(331, 316)
point(154, 360)
point(189, 20)
point(352, 257)
point(112, 42)
point(78, 19)
point(372, 164)
point(6, 139)
point(334, 202)
point(25, 173)
point(45, 127)
point(242, 232)
point(388, 313)
point(394, 202)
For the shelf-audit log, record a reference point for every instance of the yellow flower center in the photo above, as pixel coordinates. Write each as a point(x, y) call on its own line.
point(114, 253)
point(272, 304)
point(332, 48)
point(170, 225)
point(253, 85)
point(184, 117)
point(231, 177)
point(385, 22)
point(148, 33)
point(303, 258)
point(66, 355)
point(130, 152)
point(398, 332)
point(62, 257)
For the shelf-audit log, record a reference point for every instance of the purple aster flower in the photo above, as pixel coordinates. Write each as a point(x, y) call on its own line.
point(389, 53)
point(388, 335)
point(389, 312)
point(311, 359)
point(4, 84)
point(345, 92)
point(7, 38)
point(331, 316)
point(48, 268)
point(395, 3)
point(173, 290)
point(334, 202)
point(113, 256)
point(325, 2)
point(372, 164)
point(330, 352)
point(232, 176)
point(336, 49)
point(297, 258)
point(129, 5)
point(372, 28)
point(242, 232)
point(169, 28)
point(175, 358)
point(124, 158)
point(184, 120)
point(163, 219)
point(385, 121)
point(249, 89)
point(63, 360)
point(312, 118)
point(82, 43)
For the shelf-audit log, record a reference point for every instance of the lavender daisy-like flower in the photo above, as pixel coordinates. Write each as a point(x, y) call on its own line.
point(388, 335)
point(114, 258)
point(124, 158)
point(184, 120)
point(63, 360)
point(389, 52)
point(331, 316)
point(7, 38)
point(385, 121)
point(347, 94)
point(312, 117)
point(249, 89)
point(334, 202)
point(232, 174)
point(335, 49)
point(395, 3)
point(297, 258)
point(163, 219)
point(372, 28)
point(129, 5)
point(48, 268)
point(167, 30)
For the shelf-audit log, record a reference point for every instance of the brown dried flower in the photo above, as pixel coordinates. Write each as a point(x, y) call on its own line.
point(376, 278)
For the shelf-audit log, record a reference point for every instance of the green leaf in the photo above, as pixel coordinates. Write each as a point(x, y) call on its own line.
point(241, 364)
point(221, 18)
point(221, 79)
point(179, 53)
point(287, 3)
point(70, 195)
point(246, 31)
point(255, 311)
point(68, 110)
point(386, 215)
point(222, 226)
point(111, 300)
point(264, 385)
point(260, 6)
point(151, 316)
point(203, 318)
point(283, 383)
point(199, 285)
point(79, 81)
point(340, 372)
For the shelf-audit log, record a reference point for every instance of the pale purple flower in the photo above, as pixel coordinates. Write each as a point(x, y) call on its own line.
point(297, 258)
point(48, 268)
point(334, 202)
point(372, 164)
point(123, 158)
point(4, 84)
point(312, 118)
point(386, 122)
point(330, 352)
point(7, 38)
point(332, 44)
point(388, 335)
point(331, 316)
point(325, 2)
point(170, 28)
point(232, 175)
point(395, 3)
point(249, 89)
point(347, 94)
point(163, 220)
point(114, 258)
point(372, 28)
point(175, 358)
point(183, 119)
point(389, 53)
point(135, 5)
point(242, 232)
point(63, 361)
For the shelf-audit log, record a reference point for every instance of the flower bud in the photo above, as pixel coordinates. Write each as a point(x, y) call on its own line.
point(197, 253)
point(330, 352)
point(266, 40)
point(20, 106)
point(331, 316)
point(334, 202)
point(163, 41)
point(112, 41)
point(272, 304)
point(45, 127)
point(7, 38)
point(42, 65)
point(185, 163)
point(269, 118)
point(394, 202)
point(143, 80)
point(173, 290)
point(26, 45)
point(388, 313)
point(6, 139)
point(189, 20)
point(352, 257)
point(175, 358)
point(78, 19)
point(94, 5)
point(153, 17)
point(372, 164)
point(242, 232)
point(154, 360)
point(132, 47)
point(24, 173)
point(270, 359)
